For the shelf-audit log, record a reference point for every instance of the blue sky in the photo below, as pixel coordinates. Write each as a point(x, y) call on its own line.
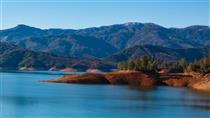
point(77, 14)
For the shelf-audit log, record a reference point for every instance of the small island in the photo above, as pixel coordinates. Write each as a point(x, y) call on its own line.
point(146, 73)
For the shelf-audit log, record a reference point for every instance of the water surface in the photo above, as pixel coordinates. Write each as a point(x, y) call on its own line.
point(22, 96)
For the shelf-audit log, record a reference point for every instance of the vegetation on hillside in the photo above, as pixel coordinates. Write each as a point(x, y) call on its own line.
point(160, 53)
point(144, 63)
point(148, 64)
point(202, 66)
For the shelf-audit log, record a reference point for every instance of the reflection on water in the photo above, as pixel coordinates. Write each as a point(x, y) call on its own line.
point(24, 97)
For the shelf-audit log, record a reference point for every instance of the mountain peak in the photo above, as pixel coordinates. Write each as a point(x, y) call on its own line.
point(131, 23)
point(24, 27)
point(153, 25)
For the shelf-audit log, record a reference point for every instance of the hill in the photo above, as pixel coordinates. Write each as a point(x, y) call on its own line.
point(160, 53)
point(13, 57)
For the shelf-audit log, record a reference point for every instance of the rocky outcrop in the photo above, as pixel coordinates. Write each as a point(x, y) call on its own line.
point(140, 79)
point(93, 71)
point(192, 80)
point(27, 68)
point(203, 85)
point(54, 69)
point(137, 79)
point(69, 69)
point(82, 79)
point(176, 79)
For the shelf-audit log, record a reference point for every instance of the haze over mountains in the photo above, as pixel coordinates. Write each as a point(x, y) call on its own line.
point(46, 48)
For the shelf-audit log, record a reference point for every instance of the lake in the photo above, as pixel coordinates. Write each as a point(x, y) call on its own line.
point(23, 96)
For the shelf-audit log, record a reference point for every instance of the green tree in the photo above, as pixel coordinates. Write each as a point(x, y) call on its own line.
point(120, 66)
point(131, 65)
point(145, 63)
point(152, 65)
point(183, 64)
point(204, 66)
point(190, 68)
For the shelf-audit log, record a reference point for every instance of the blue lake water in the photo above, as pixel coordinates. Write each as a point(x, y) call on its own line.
point(23, 96)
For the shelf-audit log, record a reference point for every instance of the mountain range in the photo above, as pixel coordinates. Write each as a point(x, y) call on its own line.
point(100, 47)
point(106, 40)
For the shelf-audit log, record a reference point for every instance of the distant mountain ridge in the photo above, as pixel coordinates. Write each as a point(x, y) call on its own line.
point(69, 45)
point(106, 40)
point(162, 54)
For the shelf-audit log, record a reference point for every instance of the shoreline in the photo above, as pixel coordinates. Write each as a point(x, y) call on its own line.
point(139, 79)
point(136, 79)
